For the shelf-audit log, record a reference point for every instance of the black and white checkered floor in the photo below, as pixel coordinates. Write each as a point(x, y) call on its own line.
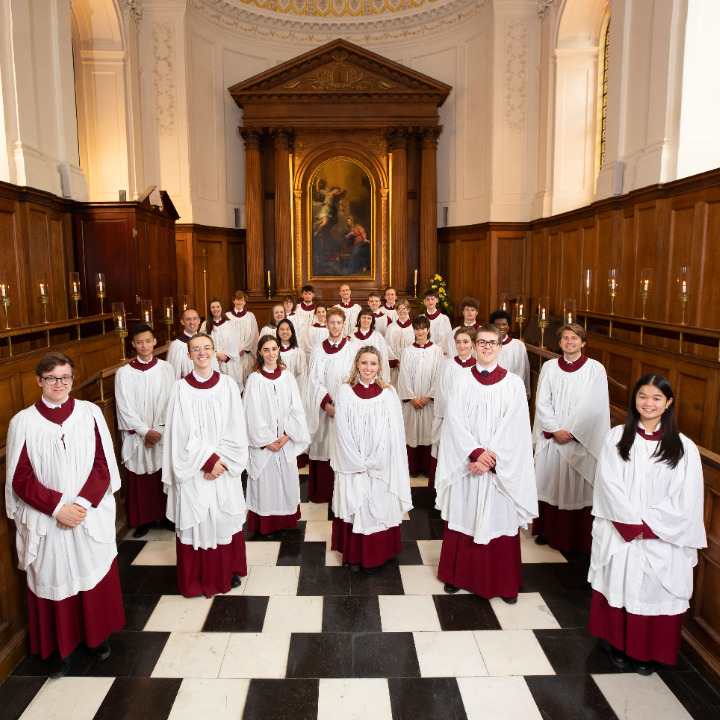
point(304, 638)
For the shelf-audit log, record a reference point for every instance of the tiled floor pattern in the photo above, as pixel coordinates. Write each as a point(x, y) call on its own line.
point(303, 638)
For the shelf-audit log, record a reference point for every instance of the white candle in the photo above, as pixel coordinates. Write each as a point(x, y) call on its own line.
point(3, 290)
point(147, 316)
point(42, 288)
point(520, 311)
point(268, 279)
point(684, 286)
point(416, 276)
point(569, 317)
point(542, 314)
point(120, 322)
point(100, 286)
point(646, 283)
point(168, 312)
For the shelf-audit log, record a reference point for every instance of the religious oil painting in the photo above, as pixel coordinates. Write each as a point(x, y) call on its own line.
point(341, 220)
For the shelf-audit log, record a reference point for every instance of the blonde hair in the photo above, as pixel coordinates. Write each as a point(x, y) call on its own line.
point(355, 373)
point(258, 364)
point(335, 311)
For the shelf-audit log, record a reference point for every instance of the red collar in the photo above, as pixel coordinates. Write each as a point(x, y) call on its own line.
point(366, 393)
point(655, 436)
point(563, 364)
point(379, 314)
point(467, 363)
point(407, 323)
point(343, 305)
point(57, 415)
point(274, 375)
point(137, 365)
point(423, 347)
point(432, 316)
point(284, 349)
point(307, 308)
point(491, 378)
point(389, 307)
point(238, 314)
point(361, 336)
point(475, 326)
point(218, 323)
point(507, 340)
point(330, 349)
point(184, 338)
point(320, 325)
point(210, 383)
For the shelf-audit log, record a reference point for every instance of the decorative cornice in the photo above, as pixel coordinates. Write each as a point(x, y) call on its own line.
point(271, 25)
point(135, 9)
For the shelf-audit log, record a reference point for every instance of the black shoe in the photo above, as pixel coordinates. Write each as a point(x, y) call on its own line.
point(372, 570)
point(101, 651)
point(618, 658)
point(450, 589)
point(235, 582)
point(509, 601)
point(644, 667)
point(166, 524)
point(59, 667)
point(355, 567)
point(539, 540)
point(142, 531)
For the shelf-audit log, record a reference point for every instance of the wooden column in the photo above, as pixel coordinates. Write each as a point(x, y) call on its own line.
point(254, 209)
point(283, 239)
point(428, 206)
point(397, 141)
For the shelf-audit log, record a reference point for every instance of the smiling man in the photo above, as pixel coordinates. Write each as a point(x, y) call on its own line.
point(485, 480)
point(572, 418)
point(61, 476)
point(177, 354)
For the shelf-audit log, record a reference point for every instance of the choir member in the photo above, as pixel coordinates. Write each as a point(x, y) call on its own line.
point(398, 336)
point(177, 354)
point(382, 320)
point(351, 309)
point(304, 312)
point(142, 389)
point(485, 481)
point(648, 508)
point(372, 486)
point(330, 364)
point(246, 328)
point(419, 371)
point(277, 313)
point(469, 307)
point(514, 357)
point(61, 476)
point(292, 356)
point(572, 418)
point(225, 340)
point(204, 457)
point(439, 322)
point(277, 436)
point(390, 301)
point(318, 331)
point(459, 363)
point(366, 334)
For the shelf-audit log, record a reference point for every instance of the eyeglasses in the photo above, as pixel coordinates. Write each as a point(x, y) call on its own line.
point(51, 380)
point(201, 348)
point(488, 343)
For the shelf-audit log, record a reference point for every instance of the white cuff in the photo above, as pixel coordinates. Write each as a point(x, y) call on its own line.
point(83, 502)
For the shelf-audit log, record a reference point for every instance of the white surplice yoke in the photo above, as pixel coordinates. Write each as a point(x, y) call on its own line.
point(372, 481)
point(201, 422)
point(514, 358)
point(61, 563)
point(577, 402)
point(273, 408)
point(141, 398)
point(296, 362)
point(419, 371)
point(494, 418)
point(397, 338)
point(653, 576)
point(246, 329)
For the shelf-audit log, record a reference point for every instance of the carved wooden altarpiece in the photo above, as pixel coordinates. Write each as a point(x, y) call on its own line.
point(337, 138)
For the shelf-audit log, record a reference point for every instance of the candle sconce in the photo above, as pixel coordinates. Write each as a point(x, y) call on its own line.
point(569, 311)
point(75, 291)
point(44, 298)
point(613, 289)
point(504, 302)
point(5, 298)
point(520, 312)
point(146, 312)
point(543, 318)
point(683, 285)
point(120, 321)
point(185, 302)
point(168, 315)
point(587, 277)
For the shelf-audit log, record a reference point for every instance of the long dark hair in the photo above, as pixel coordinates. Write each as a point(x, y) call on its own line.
point(293, 337)
point(258, 363)
point(670, 448)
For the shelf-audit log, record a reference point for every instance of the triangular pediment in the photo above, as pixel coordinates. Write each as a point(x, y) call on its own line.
point(339, 69)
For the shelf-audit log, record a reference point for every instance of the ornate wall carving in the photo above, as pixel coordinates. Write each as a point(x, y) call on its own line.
point(516, 42)
point(163, 58)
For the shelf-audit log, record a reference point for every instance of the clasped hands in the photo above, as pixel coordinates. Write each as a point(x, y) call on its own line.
point(421, 403)
point(486, 461)
point(562, 437)
point(218, 469)
point(70, 516)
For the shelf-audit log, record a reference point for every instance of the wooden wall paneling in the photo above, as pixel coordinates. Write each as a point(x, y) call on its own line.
point(236, 269)
point(682, 253)
point(697, 411)
point(508, 248)
point(708, 312)
point(641, 249)
point(12, 260)
point(185, 264)
point(570, 270)
point(621, 368)
point(606, 233)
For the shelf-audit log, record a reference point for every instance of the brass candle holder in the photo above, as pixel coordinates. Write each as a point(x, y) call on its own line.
point(587, 275)
point(5, 302)
point(146, 312)
point(415, 285)
point(520, 313)
point(120, 321)
point(101, 290)
point(44, 297)
point(543, 319)
point(168, 315)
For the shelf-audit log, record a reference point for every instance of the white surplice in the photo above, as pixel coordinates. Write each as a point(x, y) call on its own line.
point(397, 338)
point(577, 402)
point(419, 371)
point(141, 398)
point(514, 358)
point(440, 328)
point(326, 373)
point(315, 334)
point(201, 422)
point(351, 315)
point(495, 418)
point(296, 362)
point(177, 356)
point(376, 340)
point(61, 563)
point(450, 370)
point(246, 329)
point(654, 576)
point(273, 408)
point(225, 340)
point(372, 482)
